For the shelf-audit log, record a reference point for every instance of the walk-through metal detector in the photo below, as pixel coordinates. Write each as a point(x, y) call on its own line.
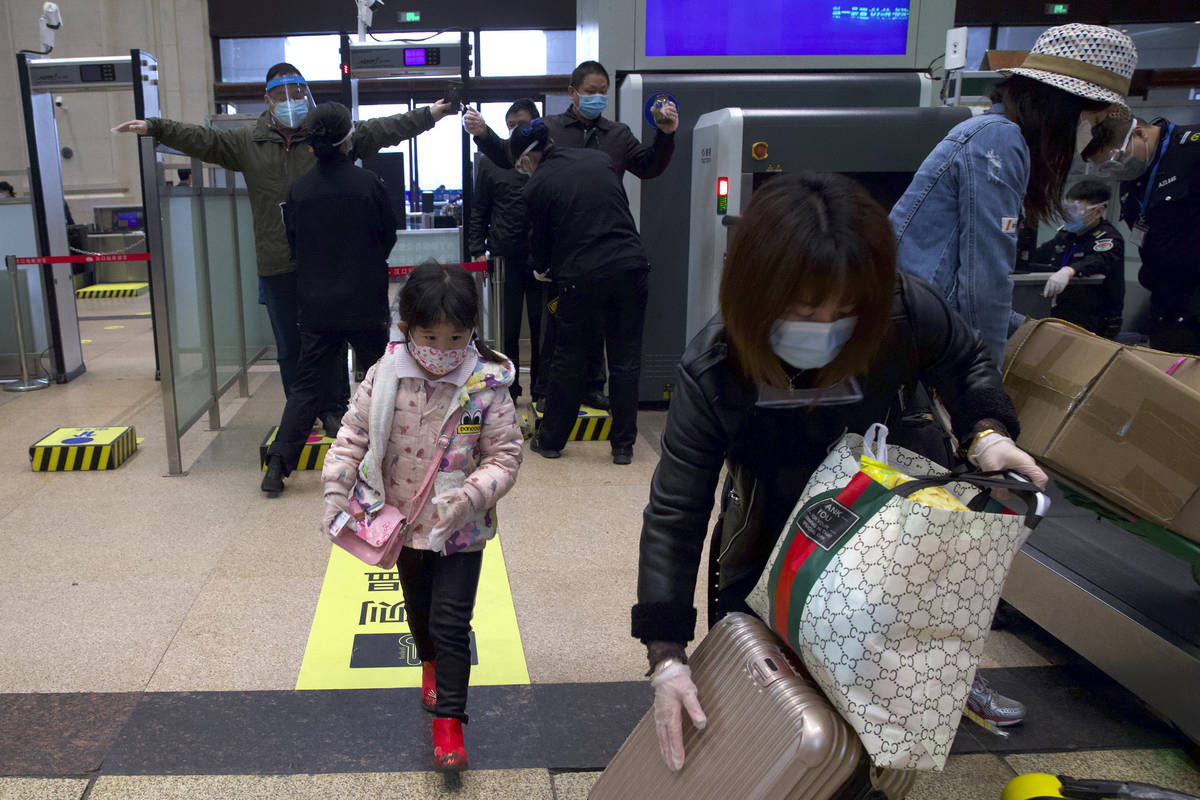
point(40, 79)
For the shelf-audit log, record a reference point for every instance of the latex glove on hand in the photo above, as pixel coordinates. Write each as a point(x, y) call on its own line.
point(1057, 282)
point(454, 509)
point(473, 122)
point(673, 692)
point(137, 126)
point(998, 452)
point(672, 123)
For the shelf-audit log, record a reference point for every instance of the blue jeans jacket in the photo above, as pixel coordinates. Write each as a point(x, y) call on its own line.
point(956, 225)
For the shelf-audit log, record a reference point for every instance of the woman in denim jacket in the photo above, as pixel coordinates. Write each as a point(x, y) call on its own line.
point(956, 225)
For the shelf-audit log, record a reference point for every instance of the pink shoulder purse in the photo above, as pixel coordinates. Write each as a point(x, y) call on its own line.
point(378, 539)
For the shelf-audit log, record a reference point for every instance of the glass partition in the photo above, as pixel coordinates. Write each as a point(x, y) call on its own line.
point(17, 239)
point(226, 289)
point(208, 324)
point(185, 286)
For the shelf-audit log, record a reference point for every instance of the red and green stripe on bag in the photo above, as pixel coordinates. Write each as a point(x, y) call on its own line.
point(816, 535)
point(826, 523)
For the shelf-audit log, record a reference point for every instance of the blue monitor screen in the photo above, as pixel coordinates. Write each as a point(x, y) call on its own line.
point(129, 219)
point(776, 28)
point(414, 57)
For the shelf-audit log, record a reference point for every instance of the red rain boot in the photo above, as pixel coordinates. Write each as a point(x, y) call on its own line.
point(428, 686)
point(449, 754)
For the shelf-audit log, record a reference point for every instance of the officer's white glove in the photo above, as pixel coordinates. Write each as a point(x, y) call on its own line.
point(454, 509)
point(544, 277)
point(1057, 282)
point(473, 122)
point(673, 692)
point(998, 452)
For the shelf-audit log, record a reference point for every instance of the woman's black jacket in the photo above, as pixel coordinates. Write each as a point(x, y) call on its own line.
point(713, 420)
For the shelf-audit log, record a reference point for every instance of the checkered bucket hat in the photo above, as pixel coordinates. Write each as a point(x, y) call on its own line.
point(1088, 60)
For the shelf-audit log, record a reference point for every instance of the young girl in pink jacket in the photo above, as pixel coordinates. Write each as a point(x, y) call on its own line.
point(443, 379)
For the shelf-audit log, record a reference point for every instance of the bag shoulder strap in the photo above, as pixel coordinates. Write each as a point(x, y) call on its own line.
point(435, 463)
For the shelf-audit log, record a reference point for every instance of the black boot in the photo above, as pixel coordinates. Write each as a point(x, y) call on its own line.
point(332, 423)
point(272, 482)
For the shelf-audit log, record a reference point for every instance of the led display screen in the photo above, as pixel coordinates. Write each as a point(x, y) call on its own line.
point(414, 57)
point(776, 28)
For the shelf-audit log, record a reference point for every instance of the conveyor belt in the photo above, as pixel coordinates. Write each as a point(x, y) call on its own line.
point(1120, 602)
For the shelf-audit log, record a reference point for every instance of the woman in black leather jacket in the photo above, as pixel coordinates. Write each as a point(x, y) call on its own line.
point(813, 314)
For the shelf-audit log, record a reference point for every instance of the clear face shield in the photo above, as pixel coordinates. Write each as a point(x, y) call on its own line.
point(290, 100)
point(1118, 163)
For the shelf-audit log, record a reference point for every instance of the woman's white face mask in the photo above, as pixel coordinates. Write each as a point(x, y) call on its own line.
point(811, 345)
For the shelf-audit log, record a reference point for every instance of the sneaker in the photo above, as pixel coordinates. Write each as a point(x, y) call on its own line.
point(597, 400)
point(993, 706)
point(536, 446)
point(539, 405)
point(332, 423)
point(428, 686)
point(449, 753)
point(622, 455)
point(272, 482)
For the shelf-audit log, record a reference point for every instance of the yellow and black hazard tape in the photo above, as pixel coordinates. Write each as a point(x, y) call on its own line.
point(83, 449)
point(312, 457)
point(104, 291)
point(593, 425)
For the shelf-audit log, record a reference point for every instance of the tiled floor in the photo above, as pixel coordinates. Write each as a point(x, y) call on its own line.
point(152, 628)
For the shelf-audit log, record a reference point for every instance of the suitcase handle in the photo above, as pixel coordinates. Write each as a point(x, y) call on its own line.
point(767, 668)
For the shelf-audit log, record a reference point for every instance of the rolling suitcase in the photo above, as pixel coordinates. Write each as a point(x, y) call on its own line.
point(771, 734)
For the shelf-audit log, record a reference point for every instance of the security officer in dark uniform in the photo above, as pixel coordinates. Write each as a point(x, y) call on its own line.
point(500, 225)
point(1159, 166)
point(583, 125)
point(583, 238)
point(1086, 245)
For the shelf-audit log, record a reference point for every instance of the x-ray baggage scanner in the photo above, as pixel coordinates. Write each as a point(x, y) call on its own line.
point(662, 206)
point(737, 150)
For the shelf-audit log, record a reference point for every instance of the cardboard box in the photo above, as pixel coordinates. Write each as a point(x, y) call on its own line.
point(1110, 417)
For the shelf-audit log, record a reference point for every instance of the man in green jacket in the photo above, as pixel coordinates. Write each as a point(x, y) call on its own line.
point(272, 155)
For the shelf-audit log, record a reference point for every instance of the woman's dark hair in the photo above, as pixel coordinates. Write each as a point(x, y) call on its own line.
point(282, 68)
point(807, 238)
point(327, 126)
point(535, 133)
point(1049, 119)
point(580, 73)
point(436, 293)
point(1093, 192)
point(524, 104)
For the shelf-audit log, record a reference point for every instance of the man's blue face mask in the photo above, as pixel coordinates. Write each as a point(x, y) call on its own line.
point(592, 105)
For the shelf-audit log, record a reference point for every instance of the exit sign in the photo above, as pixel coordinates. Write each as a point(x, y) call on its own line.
point(1058, 9)
point(409, 16)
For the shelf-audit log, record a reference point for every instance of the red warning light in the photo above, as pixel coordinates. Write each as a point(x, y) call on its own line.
point(722, 187)
point(345, 69)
